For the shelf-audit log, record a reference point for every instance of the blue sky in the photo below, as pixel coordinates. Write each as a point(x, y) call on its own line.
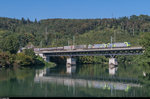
point(78, 9)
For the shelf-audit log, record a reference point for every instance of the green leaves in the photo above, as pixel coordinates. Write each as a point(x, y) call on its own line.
point(30, 53)
point(92, 59)
point(144, 60)
point(24, 60)
point(6, 59)
point(10, 43)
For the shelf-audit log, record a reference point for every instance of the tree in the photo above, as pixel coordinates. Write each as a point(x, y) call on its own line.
point(23, 20)
point(30, 53)
point(28, 21)
point(35, 21)
point(24, 60)
point(145, 58)
point(10, 43)
point(6, 59)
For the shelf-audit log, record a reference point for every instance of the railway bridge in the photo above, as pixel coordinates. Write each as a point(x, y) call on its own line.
point(112, 52)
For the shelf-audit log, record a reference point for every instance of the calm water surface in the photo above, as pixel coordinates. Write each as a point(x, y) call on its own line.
point(75, 81)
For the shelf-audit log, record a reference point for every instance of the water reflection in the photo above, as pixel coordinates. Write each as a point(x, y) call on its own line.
point(83, 82)
point(113, 70)
point(86, 83)
point(80, 82)
point(40, 72)
point(70, 69)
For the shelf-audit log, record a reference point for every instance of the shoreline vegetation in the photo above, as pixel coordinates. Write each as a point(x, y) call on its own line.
point(27, 58)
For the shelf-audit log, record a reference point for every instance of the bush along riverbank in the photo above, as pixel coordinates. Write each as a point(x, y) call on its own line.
point(27, 58)
point(92, 60)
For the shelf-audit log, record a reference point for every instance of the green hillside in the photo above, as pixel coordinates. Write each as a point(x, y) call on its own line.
point(57, 32)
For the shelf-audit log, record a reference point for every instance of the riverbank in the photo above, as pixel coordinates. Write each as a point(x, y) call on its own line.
point(27, 58)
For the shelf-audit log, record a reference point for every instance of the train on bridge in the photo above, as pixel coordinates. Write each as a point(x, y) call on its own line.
point(90, 46)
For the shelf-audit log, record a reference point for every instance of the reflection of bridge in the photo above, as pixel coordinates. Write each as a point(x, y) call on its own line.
point(67, 81)
point(82, 81)
point(92, 52)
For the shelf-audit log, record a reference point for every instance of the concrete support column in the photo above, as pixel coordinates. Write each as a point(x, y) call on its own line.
point(71, 61)
point(113, 66)
point(71, 65)
point(46, 58)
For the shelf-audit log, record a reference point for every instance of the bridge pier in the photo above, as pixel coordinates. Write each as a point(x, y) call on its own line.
point(70, 65)
point(71, 61)
point(46, 58)
point(70, 69)
point(113, 66)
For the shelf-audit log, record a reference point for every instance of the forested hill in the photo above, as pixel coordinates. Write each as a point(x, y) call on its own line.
point(15, 33)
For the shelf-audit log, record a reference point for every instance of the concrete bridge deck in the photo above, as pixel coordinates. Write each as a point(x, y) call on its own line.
point(94, 52)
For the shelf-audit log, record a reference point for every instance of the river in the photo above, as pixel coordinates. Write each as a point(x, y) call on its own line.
point(76, 81)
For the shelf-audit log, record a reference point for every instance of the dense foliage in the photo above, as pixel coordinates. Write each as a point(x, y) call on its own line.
point(144, 60)
point(27, 58)
point(6, 59)
point(57, 32)
point(92, 59)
